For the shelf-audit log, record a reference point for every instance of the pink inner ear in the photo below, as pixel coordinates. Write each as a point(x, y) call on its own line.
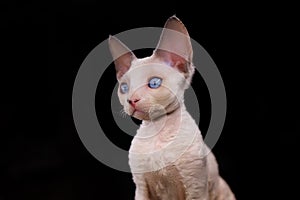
point(122, 64)
point(173, 60)
point(120, 74)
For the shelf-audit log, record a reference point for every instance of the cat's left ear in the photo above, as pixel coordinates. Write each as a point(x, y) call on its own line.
point(175, 48)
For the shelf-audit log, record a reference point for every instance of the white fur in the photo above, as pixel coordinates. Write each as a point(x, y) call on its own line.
point(168, 157)
point(180, 145)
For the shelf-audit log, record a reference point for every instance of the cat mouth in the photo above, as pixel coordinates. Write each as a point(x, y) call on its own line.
point(136, 111)
point(139, 114)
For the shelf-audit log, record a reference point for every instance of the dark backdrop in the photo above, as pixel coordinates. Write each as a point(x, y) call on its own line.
point(44, 44)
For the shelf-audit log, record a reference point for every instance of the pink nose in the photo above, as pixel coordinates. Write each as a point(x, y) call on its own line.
point(133, 102)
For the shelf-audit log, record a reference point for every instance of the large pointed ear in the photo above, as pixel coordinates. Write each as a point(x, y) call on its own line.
point(121, 54)
point(175, 48)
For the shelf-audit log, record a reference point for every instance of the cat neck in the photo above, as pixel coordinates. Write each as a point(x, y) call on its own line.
point(168, 124)
point(171, 116)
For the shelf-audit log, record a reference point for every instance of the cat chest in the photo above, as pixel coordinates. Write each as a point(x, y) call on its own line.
point(165, 184)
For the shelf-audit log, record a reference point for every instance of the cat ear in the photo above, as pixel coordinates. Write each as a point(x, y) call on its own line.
point(121, 54)
point(175, 48)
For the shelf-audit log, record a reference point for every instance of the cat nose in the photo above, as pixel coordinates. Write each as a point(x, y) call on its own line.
point(132, 102)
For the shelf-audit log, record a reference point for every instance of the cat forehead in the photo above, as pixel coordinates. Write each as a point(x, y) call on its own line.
point(142, 74)
point(149, 69)
point(142, 69)
point(147, 61)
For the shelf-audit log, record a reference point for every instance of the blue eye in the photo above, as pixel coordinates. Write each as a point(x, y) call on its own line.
point(154, 82)
point(124, 88)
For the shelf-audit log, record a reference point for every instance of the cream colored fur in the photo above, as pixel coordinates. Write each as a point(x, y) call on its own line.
point(168, 157)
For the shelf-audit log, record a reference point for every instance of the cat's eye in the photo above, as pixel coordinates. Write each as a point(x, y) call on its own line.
point(124, 88)
point(154, 82)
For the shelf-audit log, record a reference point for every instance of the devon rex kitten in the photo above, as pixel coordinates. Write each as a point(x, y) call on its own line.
point(167, 157)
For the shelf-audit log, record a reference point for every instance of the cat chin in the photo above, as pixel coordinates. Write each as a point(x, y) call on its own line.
point(140, 115)
point(142, 118)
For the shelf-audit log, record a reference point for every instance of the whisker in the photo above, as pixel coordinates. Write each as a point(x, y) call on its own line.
point(120, 113)
point(123, 113)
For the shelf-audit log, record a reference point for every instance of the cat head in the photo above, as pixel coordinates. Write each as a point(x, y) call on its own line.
point(153, 86)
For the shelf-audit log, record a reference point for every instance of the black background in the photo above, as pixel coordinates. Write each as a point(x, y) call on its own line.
point(44, 44)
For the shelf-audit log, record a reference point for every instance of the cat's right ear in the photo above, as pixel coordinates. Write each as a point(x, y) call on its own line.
point(121, 54)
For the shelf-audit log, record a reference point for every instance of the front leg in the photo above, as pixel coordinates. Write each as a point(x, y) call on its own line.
point(141, 191)
point(195, 178)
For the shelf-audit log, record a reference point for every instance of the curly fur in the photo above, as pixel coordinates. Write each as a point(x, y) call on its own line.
point(168, 158)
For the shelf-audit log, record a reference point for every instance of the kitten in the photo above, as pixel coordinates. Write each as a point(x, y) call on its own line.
point(167, 157)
